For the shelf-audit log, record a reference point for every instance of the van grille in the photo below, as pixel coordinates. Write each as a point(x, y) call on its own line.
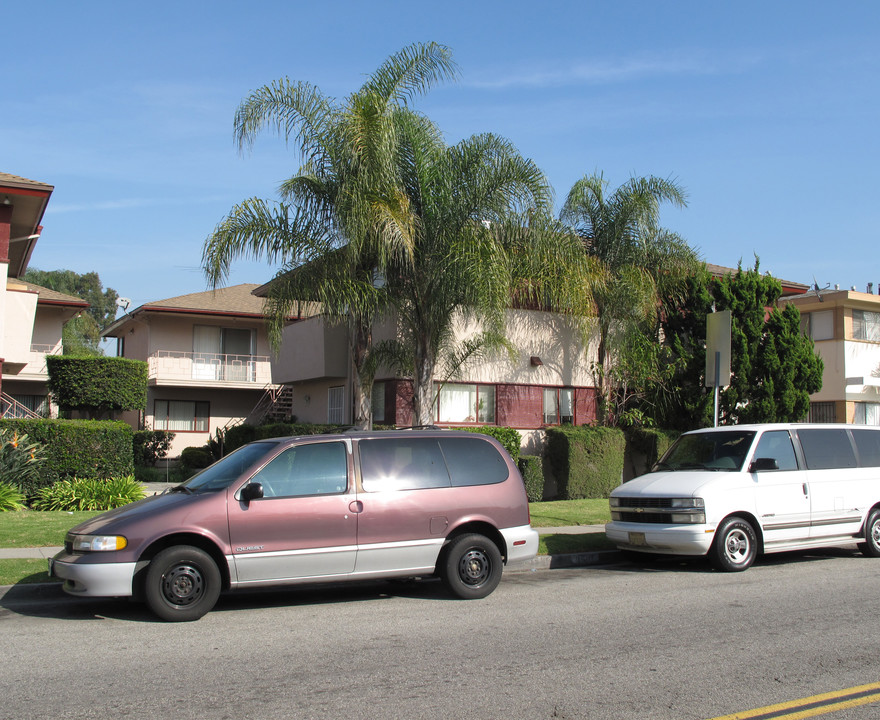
point(637, 517)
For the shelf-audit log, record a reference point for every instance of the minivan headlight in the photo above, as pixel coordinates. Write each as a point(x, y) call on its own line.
point(97, 543)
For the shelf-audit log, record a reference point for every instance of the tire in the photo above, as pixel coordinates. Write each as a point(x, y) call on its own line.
point(471, 567)
point(182, 583)
point(735, 546)
point(871, 546)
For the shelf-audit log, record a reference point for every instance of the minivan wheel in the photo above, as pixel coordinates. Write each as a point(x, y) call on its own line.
point(871, 546)
point(182, 583)
point(735, 546)
point(471, 566)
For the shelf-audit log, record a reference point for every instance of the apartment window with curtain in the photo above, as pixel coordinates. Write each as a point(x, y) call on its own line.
point(558, 406)
point(822, 412)
point(818, 325)
point(867, 413)
point(378, 402)
point(221, 353)
point(336, 405)
point(465, 403)
point(866, 325)
point(181, 415)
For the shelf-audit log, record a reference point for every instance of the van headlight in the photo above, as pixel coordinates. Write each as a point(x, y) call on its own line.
point(97, 543)
point(687, 503)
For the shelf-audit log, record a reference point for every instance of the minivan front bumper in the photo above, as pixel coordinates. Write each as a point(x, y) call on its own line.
point(89, 579)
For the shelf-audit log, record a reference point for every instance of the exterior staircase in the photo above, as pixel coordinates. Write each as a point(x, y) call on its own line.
point(11, 408)
point(275, 405)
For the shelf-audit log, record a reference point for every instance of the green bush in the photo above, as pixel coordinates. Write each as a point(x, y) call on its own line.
point(176, 474)
point(78, 448)
point(89, 494)
point(508, 437)
point(532, 469)
point(97, 384)
point(10, 498)
point(20, 461)
point(150, 446)
point(587, 461)
point(196, 457)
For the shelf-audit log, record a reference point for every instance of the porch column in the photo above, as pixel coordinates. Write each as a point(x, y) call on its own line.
point(5, 236)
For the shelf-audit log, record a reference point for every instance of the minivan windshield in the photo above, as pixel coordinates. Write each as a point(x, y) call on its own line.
point(717, 451)
point(223, 472)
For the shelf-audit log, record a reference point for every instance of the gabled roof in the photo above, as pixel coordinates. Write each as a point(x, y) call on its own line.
point(46, 296)
point(789, 287)
point(28, 199)
point(235, 301)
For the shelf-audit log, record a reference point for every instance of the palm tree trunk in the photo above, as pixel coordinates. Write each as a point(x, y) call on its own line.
point(423, 387)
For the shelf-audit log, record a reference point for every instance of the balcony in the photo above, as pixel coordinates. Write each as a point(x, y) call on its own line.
point(170, 367)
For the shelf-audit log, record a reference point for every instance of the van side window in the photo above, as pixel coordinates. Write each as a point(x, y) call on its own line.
point(776, 444)
point(313, 469)
point(868, 446)
point(473, 462)
point(826, 448)
point(402, 464)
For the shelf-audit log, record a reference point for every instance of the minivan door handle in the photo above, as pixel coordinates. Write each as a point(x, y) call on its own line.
point(356, 506)
point(806, 493)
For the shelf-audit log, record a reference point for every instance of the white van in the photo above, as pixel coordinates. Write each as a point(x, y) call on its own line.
point(733, 492)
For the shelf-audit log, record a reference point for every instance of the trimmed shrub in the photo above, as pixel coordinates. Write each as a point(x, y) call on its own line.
point(531, 468)
point(78, 448)
point(587, 461)
point(196, 457)
point(510, 438)
point(89, 494)
point(150, 446)
point(10, 498)
point(97, 384)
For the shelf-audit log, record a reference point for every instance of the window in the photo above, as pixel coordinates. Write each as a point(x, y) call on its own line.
point(466, 403)
point(336, 405)
point(313, 469)
point(866, 325)
point(826, 449)
point(868, 445)
point(823, 412)
point(867, 413)
point(378, 402)
point(38, 404)
point(776, 444)
point(558, 406)
point(223, 353)
point(181, 415)
point(402, 464)
point(821, 325)
point(473, 462)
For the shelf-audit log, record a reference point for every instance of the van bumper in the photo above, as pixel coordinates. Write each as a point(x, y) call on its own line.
point(89, 579)
point(522, 543)
point(665, 539)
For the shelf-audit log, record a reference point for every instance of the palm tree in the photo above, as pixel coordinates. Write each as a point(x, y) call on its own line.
point(639, 263)
point(476, 211)
point(326, 233)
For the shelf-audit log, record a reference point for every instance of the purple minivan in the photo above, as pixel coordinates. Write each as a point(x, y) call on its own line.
point(322, 508)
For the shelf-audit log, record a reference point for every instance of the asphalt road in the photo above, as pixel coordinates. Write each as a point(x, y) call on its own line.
point(654, 640)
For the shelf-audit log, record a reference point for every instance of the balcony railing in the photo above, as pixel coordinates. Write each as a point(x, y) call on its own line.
point(209, 368)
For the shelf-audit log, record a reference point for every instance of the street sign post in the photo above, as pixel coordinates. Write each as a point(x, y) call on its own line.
point(717, 353)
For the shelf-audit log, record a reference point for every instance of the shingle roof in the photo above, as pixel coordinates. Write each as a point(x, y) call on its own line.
point(16, 181)
point(236, 299)
point(47, 295)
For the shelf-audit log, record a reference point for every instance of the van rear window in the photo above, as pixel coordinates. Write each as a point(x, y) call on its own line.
point(473, 462)
point(827, 448)
point(868, 446)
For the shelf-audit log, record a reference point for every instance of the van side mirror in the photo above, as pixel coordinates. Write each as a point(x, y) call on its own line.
point(252, 491)
point(764, 463)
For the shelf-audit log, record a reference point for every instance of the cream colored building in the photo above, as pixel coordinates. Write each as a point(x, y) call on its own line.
point(845, 327)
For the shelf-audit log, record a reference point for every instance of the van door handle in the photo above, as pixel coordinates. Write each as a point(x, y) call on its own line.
point(356, 506)
point(806, 493)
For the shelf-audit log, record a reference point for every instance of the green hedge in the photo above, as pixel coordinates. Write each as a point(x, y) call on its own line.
point(532, 469)
point(97, 384)
point(79, 448)
point(587, 461)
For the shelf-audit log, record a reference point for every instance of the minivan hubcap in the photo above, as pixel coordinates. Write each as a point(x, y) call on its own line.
point(737, 545)
point(182, 585)
point(474, 567)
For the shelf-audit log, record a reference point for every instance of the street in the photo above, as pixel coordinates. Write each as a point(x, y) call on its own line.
point(654, 639)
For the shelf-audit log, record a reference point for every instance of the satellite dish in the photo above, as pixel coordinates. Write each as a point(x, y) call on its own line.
point(123, 303)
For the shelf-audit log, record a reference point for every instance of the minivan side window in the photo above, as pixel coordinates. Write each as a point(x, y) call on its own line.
point(826, 448)
point(473, 462)
point(868, 446)
point(776, 444)
point(313, 469)
point(402, 464)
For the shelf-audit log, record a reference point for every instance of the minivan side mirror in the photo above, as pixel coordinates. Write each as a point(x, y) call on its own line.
point(764, 463)
point(252, 491)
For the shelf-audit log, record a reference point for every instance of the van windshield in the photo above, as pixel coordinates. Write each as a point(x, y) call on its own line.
point(226, 470)
point(717, 451)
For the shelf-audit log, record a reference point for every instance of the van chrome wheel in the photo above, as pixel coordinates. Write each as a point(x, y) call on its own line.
point(735, 546)
point(871, 546)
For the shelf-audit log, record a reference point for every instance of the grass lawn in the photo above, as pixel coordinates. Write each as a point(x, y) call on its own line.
point(29, 528)
point(559, 513)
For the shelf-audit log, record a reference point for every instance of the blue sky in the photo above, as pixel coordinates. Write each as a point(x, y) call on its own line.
point(767, 112)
